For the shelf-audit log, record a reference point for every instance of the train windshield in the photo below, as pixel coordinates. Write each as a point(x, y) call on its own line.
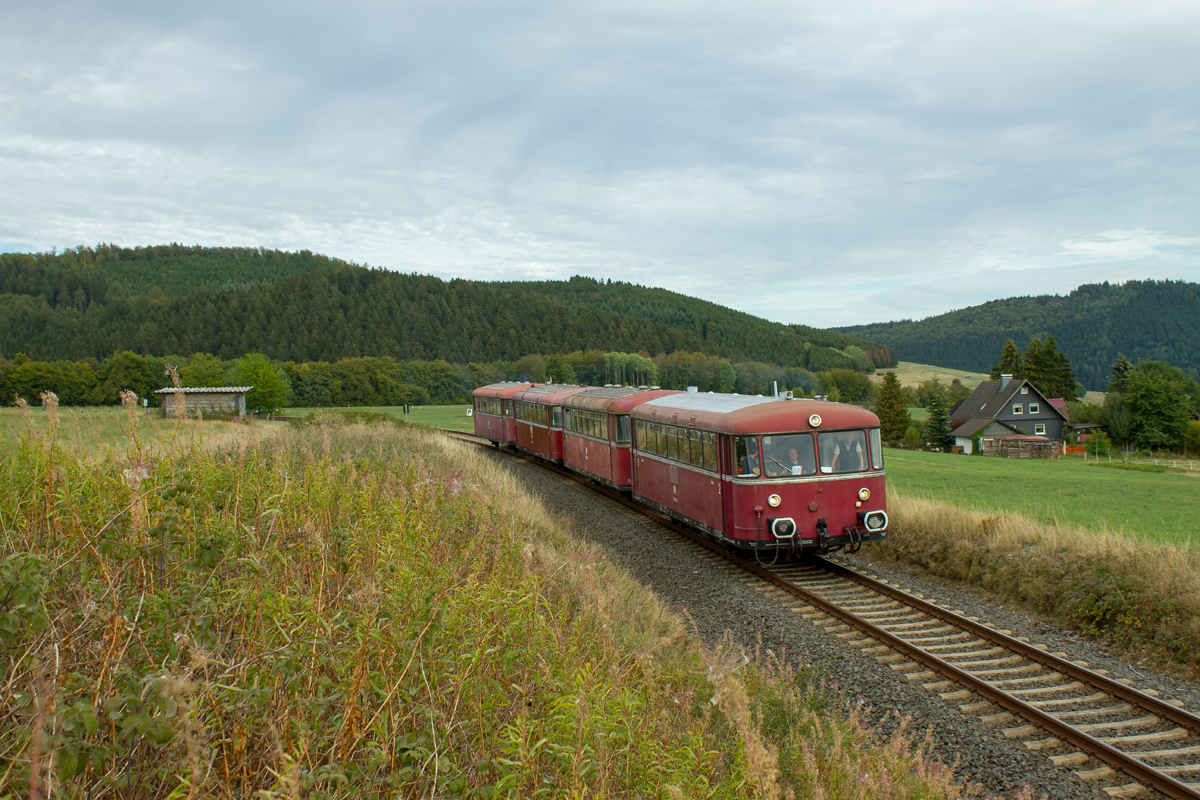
point(842, 451)
point(623, 428)
point(788, 455)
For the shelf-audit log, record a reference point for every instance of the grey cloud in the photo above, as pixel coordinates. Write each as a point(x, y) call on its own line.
point(818, 162)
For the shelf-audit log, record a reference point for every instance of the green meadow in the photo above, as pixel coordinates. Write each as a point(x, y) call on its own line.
point(1163, 507)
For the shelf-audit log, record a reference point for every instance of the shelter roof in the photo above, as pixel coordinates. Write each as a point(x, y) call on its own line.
point(204, 390)
point(974, 426)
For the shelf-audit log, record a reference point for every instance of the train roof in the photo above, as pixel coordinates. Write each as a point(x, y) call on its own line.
point(503, 390)
point(739, 413)
point(550, 394)
point(614, 399)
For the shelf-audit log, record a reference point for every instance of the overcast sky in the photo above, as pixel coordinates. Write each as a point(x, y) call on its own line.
point(829, 163)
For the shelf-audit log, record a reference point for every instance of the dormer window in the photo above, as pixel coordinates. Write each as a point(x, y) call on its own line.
point(1024, 390)
point(1033, 408)
point(1017, 409)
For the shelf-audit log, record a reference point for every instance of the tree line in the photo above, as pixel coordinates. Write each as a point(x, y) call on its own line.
point(1146, 320)
point(386, 381)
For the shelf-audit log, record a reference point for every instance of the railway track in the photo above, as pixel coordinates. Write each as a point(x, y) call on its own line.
point(1105, 730)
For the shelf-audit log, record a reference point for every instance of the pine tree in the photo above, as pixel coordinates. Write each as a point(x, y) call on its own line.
point(891, 410)
point(1011, 362)
point(937, 426)
point(1120, 371)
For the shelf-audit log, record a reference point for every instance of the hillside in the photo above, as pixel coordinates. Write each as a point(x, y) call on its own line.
point(1145, 320)
point(297, 306)
point(726, 329)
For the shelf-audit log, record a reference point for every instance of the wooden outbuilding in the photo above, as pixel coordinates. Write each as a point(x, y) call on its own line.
point(210, 401)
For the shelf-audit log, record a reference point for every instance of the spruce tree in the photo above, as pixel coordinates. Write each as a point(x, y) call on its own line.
point(937, 426)
point(891, 410)
point(1120, 371)
point(1011, 362)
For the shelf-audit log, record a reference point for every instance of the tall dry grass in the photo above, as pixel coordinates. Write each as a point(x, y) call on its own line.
point(1140, 595)
point(354, 610)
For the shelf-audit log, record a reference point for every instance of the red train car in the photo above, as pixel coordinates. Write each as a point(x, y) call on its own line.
point(597, 432)
point(539, 418)
point(493, 412)
point(763, 472)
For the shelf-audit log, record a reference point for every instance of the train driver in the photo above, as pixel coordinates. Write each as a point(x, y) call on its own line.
point(848, 454)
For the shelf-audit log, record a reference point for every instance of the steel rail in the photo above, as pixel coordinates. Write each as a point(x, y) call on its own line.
point(1138, 770)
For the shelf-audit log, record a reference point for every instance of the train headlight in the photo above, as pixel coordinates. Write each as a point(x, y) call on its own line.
point(815, 420)
point(783, 528)
point(876, 521)
point(774, 500)
point(864, 493)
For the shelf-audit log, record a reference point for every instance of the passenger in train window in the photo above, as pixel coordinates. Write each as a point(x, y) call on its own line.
point(843, 451)
point(747, 457)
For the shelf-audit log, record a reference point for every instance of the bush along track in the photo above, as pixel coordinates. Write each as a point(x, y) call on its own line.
point(351, 610)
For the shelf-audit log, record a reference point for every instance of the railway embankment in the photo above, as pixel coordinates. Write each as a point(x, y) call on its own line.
point(1142, 596)
point(370, 610)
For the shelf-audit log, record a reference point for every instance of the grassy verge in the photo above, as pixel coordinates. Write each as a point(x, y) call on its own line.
point(1142, 596)
point(450, 417)
point(1162, 508)
point(367, 611)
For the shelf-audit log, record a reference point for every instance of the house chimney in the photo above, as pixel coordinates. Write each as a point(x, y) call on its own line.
point(1004, 379)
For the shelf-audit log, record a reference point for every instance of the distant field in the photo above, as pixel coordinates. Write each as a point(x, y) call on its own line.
point(912, 374)
point(1157, 506)
point(453, 417)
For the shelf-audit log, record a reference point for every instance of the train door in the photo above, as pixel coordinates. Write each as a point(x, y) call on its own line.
point(725, 457)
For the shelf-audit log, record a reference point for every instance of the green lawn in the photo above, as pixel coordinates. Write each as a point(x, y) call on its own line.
point(1159, 506)
point(453, 417)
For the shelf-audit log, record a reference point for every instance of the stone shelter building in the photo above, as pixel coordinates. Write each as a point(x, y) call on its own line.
point(211, 401)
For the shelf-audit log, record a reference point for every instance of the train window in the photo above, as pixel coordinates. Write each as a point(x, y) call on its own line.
point(556, 416)
point(508, 408)
point(672, 443)
point(660, 440)
point(623, 428)
point(598, 426)
point(842, 451)
point(789, 455)
point(710, 451)
point(876, 449)
point(640, 429)
point(745, 455)
point(697, 449)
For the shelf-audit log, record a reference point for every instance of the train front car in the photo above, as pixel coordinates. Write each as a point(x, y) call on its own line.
point(597, 432)
point(539, 419)
point(493, 412)
point(763, 473)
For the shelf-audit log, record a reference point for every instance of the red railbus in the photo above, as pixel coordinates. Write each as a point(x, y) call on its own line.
point(762, 472)
point(597, 432)
point(493, 414)
point(539, 418)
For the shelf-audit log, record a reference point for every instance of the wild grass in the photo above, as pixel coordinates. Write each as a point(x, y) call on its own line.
point(1144, 596)
point(450, 417)
point(367, 611)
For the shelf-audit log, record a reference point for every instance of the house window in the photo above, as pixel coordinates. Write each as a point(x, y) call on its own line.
point(1033, 408)
point(1024, 390)
point(1017, 409)
point(1039, 429)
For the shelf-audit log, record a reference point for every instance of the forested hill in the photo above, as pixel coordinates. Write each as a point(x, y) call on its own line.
point(1145, 320)
point(172, 269)
point(297, 306)
point(729, 330)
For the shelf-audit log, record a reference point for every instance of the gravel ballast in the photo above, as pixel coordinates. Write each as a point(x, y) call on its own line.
point(719, 602)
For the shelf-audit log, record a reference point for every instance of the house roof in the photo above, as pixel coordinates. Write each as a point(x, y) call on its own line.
point(974, 426)
point(989, 399)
